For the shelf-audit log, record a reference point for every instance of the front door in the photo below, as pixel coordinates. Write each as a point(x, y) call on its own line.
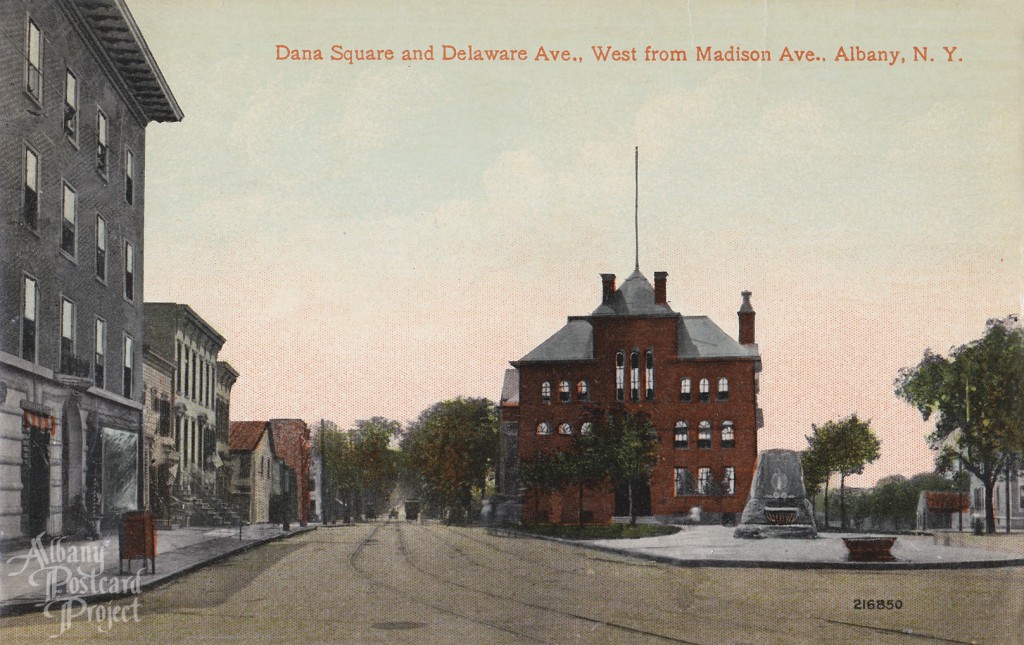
point(641, 499)
point(35, 479)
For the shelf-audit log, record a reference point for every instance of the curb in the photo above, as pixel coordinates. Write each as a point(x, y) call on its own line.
point(767, 564)
point(19, 608)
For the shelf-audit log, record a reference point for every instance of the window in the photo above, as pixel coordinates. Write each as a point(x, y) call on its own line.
point(684, 390)
point(30, 303)
point(71, 106)
point(728, 438)
point(262, 463)
point(1020, 498)
point(681, 440)
point(564, 394)
point(583, 391)
point(30, 196)
point(620, 376)
point(101, 249)
point(730, 480)
point(705, 390)
point(67, 335)
point(34, 58)
point(244, 464)
point(543, 428)
point(129, 177)
point(129, 363)
point(683, 485)
point(129, 271)
point(977, 499)
point(723, 389)
point(649, 374)
point(565, 428)
point(178, 367)
point(69, 225)
point(704, 481)
point(704, 435)
point(100, 359)
point(634, 376)
point(545, 392)
point(165, 417)
point(587, 427)
point(101, 142)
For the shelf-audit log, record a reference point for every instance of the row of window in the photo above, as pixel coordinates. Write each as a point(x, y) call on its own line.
point(72, 91)
point(705, 483)
point(70, 362)
point(680, 439)
point(685, 393)
point(634, 375)
point(979, 502)
point(196, 375)
point(244, 466)
point(189, 440)
point(69, 238)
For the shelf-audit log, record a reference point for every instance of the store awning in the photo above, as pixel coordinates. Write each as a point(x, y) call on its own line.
point(40, 421)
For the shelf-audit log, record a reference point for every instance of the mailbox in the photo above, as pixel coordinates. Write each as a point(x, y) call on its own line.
point(137, 539)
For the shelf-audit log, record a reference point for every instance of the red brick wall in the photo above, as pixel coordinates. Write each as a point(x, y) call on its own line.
point(625, 334)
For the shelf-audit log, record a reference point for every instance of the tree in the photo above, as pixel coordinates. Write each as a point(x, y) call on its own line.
point(340, 472)
point(815, 471)
point(376, 463)
point(843, 447)
point(978, 395)
point(451, 449)
point(625, 449)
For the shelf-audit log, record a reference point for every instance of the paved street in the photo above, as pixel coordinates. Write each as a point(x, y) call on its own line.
point(399, 582)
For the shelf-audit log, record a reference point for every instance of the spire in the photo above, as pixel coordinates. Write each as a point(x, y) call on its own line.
point(636, 204)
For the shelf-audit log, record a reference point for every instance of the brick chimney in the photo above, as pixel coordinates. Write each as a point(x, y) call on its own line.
point(746, 316)
point(660, 278)
point(607, 287)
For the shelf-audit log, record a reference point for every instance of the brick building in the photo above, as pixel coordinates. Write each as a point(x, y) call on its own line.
point(293, 445)
point(698, 386)
point(78, 87)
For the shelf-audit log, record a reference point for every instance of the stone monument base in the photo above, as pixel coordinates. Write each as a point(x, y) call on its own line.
point(757, 531)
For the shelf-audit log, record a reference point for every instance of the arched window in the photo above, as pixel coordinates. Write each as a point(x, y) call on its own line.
point(705, 390)
point(543, 428)
point(649, 374)
point(681, 440)
point(583, 391)
point(563, 392)
point(545, 392)
point(620, 376)
point(565, 428)
point(634, 376)
point(684, 390)
point(723, 389)
point(728, 439)
point(704, 434)
point(586, 428)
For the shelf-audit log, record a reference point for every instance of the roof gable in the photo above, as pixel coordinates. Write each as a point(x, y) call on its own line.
point(244, 436)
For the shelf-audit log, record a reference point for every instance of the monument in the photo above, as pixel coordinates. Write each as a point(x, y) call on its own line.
point(778, 505)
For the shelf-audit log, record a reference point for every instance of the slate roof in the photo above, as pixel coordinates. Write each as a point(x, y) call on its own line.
point(244, 436)
point(510, 388)
point(699, 337)
point(573, 342)
point(634, 297)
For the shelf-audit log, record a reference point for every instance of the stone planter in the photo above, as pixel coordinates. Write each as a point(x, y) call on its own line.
point(869, 549)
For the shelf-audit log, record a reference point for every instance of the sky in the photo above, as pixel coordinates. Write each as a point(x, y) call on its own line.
point(373, 237)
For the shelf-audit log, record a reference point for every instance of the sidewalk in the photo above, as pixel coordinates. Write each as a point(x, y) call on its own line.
point(89, 569)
